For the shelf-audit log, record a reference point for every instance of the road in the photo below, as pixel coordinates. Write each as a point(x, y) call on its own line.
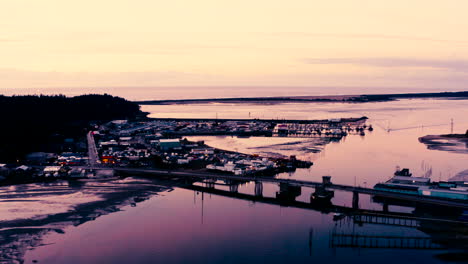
point(92, 150)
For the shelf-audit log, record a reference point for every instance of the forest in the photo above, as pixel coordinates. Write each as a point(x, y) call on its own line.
point(41, 123)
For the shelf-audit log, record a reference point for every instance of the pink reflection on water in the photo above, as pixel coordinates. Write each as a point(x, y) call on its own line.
point(364, 160)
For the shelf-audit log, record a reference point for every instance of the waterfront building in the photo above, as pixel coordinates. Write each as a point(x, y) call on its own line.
point(166, 144)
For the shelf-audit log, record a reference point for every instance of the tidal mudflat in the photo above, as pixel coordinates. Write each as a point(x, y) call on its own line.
point(446, 143)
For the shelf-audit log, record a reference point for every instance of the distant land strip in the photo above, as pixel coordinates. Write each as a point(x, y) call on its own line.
point(321, 98)
point(295, 121)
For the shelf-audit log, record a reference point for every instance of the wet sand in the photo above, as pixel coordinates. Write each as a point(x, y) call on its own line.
point(451, 143)
point(40, 209)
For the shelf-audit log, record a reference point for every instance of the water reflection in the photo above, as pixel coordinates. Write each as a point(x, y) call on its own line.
point(364, 160)
point(441, 228)
point(217, 218)
point(18, 235)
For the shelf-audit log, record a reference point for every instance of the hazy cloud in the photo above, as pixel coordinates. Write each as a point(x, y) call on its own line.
point(24, 78)
point(142, 49)
point(448, 64)
point(7, 40)
point(12, 80)
point(371, 36)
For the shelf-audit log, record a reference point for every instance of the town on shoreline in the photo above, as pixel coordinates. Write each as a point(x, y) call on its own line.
point(161, 144)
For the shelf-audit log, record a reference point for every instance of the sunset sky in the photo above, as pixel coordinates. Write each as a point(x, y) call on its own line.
point(89, 43)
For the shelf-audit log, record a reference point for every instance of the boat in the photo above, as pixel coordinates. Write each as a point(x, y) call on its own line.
point(404, 182)
point(322, 194)
point(338, 216)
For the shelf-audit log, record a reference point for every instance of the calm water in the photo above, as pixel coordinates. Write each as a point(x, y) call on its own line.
point(185, 226)
point(369, 159)
point(178, 228)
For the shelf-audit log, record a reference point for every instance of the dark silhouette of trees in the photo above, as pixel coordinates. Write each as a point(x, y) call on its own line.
point(40, 123)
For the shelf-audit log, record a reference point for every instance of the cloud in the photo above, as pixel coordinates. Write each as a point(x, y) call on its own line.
point(15, 81)
point(371, 36)
point(388, 62)
point(7, 40)
point(12, 78)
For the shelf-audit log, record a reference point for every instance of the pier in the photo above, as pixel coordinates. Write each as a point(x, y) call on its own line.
point(386, 219)
point(359, 216)
point(339, 240)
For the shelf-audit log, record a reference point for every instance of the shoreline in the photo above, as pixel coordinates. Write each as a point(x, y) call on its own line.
point(311, 99)
point(457, 143)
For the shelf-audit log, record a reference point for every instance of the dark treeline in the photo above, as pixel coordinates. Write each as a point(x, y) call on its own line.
point(300, 99)
point(40, 123)
point(388, 97)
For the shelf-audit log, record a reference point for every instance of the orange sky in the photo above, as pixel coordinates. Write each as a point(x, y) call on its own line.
point(60, 43)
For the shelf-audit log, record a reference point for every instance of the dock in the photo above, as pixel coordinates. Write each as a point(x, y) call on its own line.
point(339, 240)
point(292, 121)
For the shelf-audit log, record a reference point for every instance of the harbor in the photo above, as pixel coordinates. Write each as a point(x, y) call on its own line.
point(340, 218)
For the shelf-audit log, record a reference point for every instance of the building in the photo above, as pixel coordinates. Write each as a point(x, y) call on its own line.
point(166, 144)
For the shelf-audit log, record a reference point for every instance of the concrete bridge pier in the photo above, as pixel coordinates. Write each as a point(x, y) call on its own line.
point(258, 189)
point(210, 183)
point(188, 181)
point(288, 192)
point(234, 188)
point(385, 207)
point(355, 200)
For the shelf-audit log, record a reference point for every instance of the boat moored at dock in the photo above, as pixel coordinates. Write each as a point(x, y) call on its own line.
point(404, 182)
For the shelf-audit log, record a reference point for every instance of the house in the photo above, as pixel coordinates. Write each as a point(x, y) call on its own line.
point(202, 151)
point(39, 157)
point(23, 168)
point(4, 170)
point(108, 159)
point(52, 171)
point(182, 161)
point(77, 173)
point(119, 122)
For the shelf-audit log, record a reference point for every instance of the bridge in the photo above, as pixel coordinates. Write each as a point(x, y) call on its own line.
point(287, 186)
point(359, 216)
point(233, 179)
